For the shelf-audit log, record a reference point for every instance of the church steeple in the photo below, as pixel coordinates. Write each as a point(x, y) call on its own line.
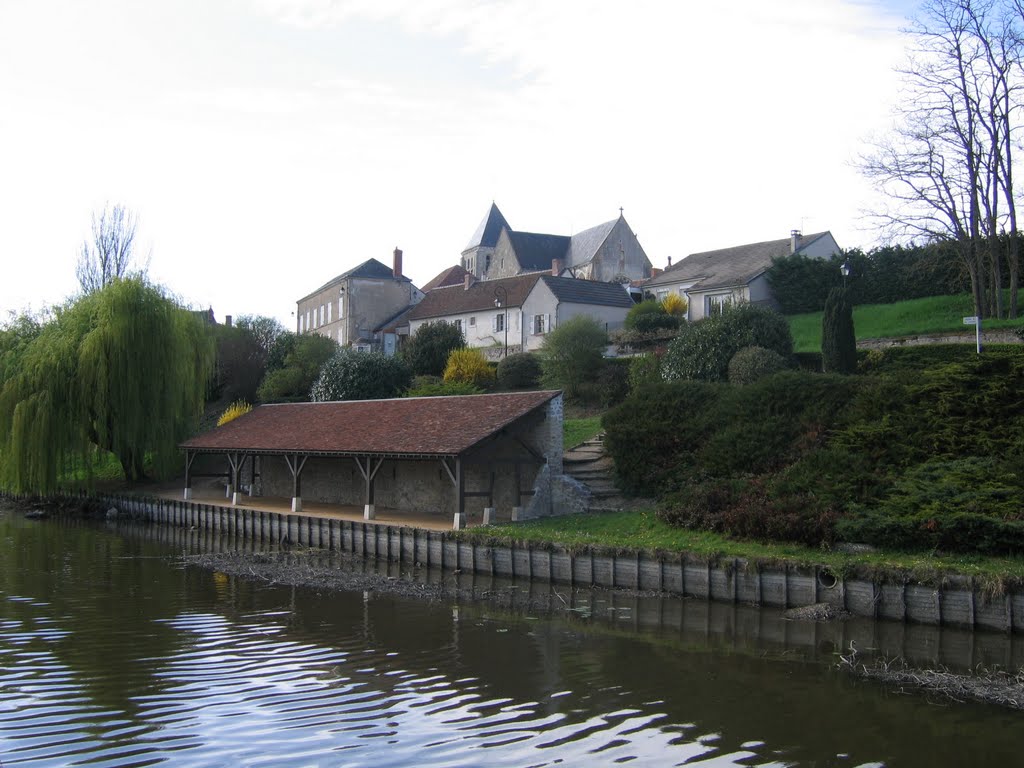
point(481, 244)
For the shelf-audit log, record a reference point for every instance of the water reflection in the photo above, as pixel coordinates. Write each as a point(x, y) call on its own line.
point(112, 654)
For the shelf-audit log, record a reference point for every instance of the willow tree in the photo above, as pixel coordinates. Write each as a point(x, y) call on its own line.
point(123, 369)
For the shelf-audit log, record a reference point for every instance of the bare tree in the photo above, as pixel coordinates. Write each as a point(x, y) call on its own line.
point(946, 169)
point(110, 254)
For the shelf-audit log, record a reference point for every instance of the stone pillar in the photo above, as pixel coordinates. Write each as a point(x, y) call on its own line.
point(488, 515)
point(369, 512)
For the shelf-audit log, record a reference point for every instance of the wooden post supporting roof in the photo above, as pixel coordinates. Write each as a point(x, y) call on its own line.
point(295, 465)
point(369, 472)
point(190, 457)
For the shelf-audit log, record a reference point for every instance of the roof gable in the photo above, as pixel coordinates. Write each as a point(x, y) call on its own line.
point(536, 251)
point(412, 426)
point(584, 245)
point(728, 267)
point(480, 296)
point(593, 292)
point(489, 229)
point(371, 269)
point(454, 275)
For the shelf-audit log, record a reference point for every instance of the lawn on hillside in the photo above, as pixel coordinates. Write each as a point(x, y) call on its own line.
point(936, 314)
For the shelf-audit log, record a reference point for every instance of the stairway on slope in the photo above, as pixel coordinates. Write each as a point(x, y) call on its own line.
point(590, 465)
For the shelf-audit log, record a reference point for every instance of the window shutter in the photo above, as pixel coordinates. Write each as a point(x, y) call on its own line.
point(547, 323)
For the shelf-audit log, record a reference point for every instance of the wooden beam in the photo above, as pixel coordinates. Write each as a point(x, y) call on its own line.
point(451, 474)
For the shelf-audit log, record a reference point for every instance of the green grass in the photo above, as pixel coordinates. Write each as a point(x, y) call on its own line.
point(644, 531)
point(576, 431)
point(937, 314)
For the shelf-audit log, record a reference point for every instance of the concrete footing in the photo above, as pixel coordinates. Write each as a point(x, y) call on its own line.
point(488, 515)
point(230, 489)
point(235, 498)
point(517, 514)
point(459, 522)
point(369, 511)
point(296, 503)
point(188, 494)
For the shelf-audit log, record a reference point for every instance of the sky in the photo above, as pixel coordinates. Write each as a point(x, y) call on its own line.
point(269, 145)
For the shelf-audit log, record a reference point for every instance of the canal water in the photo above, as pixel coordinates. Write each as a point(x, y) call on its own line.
point(114, 651)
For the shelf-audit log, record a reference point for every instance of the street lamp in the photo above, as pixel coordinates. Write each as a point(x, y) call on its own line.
point(500, 301)
point(845, 270)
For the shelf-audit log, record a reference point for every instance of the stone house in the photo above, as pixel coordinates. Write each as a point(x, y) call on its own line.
point(517, 312)
point(712, 280)
point(355, 306)
point(609, 252)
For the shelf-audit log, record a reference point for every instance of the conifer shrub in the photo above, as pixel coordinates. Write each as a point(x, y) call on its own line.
point(613, 382)
point(519, 371)
point(468, 366)
point(643, 370)
point(647, 307)
point(703, 349)
point(753, 363)
point(233, 411)
point(435, 386)
point(838, 341)
point(427, 351)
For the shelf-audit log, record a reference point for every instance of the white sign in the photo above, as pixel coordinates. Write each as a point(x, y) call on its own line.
point(971, 320)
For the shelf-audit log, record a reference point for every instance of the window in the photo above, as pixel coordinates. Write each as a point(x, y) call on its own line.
point(487, 262)
point(308, 326)
point(329, 308)
point(714, 305)
point(457, 324)
point(499, 323)
point(321, 314)
point(472, 322)
point(540, 324)
point(341, 306)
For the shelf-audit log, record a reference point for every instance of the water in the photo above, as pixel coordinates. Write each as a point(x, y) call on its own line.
point(114, 653)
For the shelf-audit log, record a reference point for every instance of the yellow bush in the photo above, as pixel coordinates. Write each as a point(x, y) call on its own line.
point(468, 366)
point(233, 411)
point(674, 304)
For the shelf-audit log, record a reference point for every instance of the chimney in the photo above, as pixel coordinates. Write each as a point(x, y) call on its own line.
point(669, 263)
point(227, 320)
point(556, 267)
point(397, 269)
point(467, 282)
point(794, 241)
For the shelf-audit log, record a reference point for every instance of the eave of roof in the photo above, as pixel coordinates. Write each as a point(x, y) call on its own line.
point(371, 269)
point(457, 300)
point(418, 427)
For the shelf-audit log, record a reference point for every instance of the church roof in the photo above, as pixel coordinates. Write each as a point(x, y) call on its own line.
point(489, 230)
point(729, 267)
point(535, 251)
point(584, 244)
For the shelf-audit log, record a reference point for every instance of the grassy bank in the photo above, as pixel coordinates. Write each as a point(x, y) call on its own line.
point(578, 430)
point(643, 530)
point(936, 314)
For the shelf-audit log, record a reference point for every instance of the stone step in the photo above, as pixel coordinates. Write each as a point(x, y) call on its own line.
point(597, 472)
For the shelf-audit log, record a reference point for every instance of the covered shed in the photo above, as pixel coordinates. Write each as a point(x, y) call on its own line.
point(444, 454)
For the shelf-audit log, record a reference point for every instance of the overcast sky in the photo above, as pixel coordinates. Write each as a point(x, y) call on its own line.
point(268, 145)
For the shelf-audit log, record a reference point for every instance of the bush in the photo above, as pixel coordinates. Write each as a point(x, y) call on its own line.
point(655, 322)
point(351, 375)
point(838, 341)
point(233, 411)
point(643, 370)
point(753, 363)
point(432, 386)
point(572, 355)
point(295, 363)
point(675, 305)
point(703, 349)
point(468, 366)
point(646, 308)
point(428, 350)
point(519, 371)
point(613, 382)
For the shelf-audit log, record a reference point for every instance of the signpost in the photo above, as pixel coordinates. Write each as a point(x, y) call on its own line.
point(976, 322)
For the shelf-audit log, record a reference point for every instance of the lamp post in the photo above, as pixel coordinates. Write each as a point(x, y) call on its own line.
point(501, 301)
point(845, 270)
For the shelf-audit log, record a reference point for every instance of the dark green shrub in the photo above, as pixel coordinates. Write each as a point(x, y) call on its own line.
point(351, 375)
point(572, 354)
point(643, 370)
point(648, 323)
point(646, 308)
point(838, 341)
point(703, 349)
point(519, 371)
point(912, 359)
point(753, 363)
point(295, 363)
point(432, 386)
point(808, 361)
point(427, 351)
point(613, 382)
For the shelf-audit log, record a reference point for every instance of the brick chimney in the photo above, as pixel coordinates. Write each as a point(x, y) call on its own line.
point(669, 263)
point(556, 267)
point(397, 268)
point(469, 280)
point(794, 241)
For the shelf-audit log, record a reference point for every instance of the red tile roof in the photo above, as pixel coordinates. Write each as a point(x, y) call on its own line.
point(418, 426)
point(456, 299)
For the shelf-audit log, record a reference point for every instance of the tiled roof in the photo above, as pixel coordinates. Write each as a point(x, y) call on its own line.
point(585, 244)
point(395, 321)
point(413, 426)
point(729, 267)
point(371, 269)
point(536, 251)
point(452, 276)
point(489, 230)
point(456, 300)
point(567, 289)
